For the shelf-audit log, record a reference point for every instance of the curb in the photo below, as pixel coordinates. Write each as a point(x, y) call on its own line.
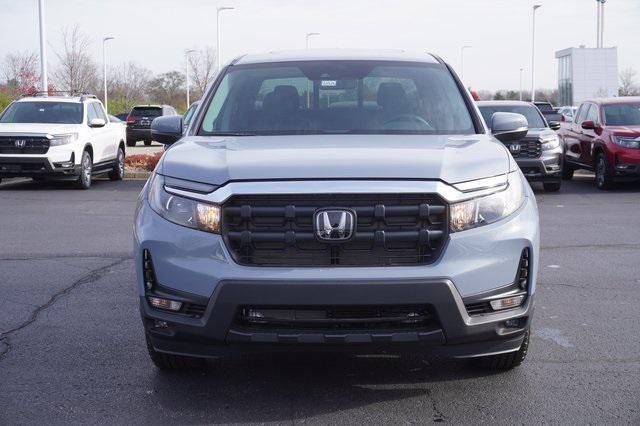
point(137, 174)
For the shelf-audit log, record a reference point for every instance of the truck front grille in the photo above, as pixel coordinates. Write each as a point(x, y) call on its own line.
point(391, 229)
point(23, 145)
point(529, 148)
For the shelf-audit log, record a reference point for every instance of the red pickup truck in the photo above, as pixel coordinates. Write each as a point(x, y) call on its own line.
point(604, 137)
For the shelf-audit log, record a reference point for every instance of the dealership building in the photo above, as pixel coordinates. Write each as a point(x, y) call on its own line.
point(586, 73)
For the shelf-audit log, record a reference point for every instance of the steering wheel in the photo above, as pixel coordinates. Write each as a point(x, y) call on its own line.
point(409, 118)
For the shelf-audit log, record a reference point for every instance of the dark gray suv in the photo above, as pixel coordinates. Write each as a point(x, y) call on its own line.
point(539, 153)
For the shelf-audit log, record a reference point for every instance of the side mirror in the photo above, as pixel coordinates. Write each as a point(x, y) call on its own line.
point(509, 126)
point(588, 125)
point(554, 125)
point(97, 122)
point(166, 129)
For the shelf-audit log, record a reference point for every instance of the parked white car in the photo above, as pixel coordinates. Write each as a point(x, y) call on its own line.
point(60, 137)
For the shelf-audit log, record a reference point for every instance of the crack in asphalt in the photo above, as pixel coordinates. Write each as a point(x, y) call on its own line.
point(585, 246)
point(92, 276)
point(110, 255)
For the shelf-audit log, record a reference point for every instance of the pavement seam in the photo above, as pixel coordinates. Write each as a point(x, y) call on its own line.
point(92, 276)
point(122, 255)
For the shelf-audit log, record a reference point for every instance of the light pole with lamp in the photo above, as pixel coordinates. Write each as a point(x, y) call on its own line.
point(462, 49)
point(104, 70)
point(186, 56)
point(43, 49)
point(306, 39)
point(533, 51)
point(218, 10)
point(521, 69)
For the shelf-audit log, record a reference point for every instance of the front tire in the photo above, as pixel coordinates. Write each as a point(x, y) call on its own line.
point(86, 168)
point(509, 360)
point(169, 362)
point(603, 177)
point(552, 186)
point(118, 170)
point(567, 170)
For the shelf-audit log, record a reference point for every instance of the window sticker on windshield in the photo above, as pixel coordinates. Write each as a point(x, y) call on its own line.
point(329, 83)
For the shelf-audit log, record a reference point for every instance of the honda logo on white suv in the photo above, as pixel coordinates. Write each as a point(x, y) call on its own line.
point(334, 224)
point(20, 143)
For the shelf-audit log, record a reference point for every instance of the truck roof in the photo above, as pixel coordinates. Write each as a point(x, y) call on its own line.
point(616, 100)
point(503, 103)
point(70, 99)
point(337, 55)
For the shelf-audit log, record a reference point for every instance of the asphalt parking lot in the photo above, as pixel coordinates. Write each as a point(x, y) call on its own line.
point(72, 347)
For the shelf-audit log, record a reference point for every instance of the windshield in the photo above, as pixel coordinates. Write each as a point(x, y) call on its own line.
point(43, 112)
point(320, 97)
point(146, 112)
point(530, 112)
point(622, 114)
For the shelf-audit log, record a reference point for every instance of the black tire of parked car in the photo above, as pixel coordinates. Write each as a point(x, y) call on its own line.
point(131, 143)
point(86, 168)
point(118, 170)
point(604, 180)
point(567, 170)
point(169, 362)
point(552, 186)
point(147, 143)
point(506, 361)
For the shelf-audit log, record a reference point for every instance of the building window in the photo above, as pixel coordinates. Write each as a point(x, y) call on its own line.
point(565, 86)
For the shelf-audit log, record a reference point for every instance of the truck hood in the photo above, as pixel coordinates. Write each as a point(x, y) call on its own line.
point(631, 129)
point(217, 160)
point(40, 128)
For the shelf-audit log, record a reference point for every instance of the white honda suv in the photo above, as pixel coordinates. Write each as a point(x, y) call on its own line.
point(60, 137)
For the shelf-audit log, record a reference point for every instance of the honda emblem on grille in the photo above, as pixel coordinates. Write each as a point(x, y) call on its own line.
point(514, 148)
point(334, 225)
point(20, 143)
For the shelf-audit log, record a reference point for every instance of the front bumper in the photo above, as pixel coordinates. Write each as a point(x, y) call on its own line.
point(30, 166)
point(138, 134)
point(546, 168)
point(473, 263)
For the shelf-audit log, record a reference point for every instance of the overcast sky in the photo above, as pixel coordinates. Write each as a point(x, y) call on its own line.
point(155, 33)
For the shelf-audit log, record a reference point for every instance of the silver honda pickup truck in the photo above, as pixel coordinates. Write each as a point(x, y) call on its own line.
point(337, 201)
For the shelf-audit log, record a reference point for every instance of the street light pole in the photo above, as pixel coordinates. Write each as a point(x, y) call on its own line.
point(219, 57)
point(43, 49)
point(602, 23)
point(104, 71)
point(533, 52)
point(462, 60)
point(521, 69)
point(306, 39)
point(186, 55)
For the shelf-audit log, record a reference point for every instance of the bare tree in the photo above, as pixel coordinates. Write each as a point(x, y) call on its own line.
point(202, 68)
point(20, 70)
point(77, 70)
point(129, 81)
point(628, 86)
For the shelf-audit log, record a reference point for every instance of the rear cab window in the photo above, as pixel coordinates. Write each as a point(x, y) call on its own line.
point(146, 112)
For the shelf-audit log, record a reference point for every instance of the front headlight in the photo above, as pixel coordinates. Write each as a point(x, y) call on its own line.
point(183, 211)
point(490, 208)
point(549, 143)
point(626, 142)
point(64, 139)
